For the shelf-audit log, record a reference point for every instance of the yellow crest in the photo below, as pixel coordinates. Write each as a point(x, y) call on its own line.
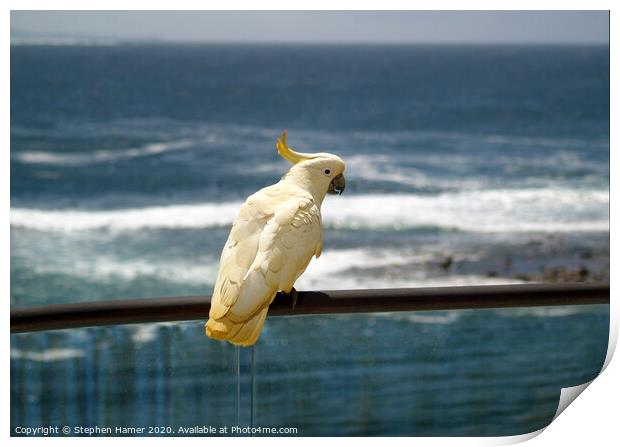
point(288, 153)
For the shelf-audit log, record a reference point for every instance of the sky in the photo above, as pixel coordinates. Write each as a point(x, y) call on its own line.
point(585, 27)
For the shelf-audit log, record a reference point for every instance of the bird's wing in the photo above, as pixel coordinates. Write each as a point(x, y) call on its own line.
point(281, 251)
point(237, 256)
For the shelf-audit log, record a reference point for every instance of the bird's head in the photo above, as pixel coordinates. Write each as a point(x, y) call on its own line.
point(323, 170)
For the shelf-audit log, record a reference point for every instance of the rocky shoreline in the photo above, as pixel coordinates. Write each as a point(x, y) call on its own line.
point(539, 258)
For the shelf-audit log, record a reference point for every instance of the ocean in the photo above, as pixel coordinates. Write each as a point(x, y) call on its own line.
point(465, 165)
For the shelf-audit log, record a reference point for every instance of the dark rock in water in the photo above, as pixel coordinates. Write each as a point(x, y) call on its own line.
point(583, 273)
point(587, 254)
point(562, 274)
point(446, 263)
point(526, 277)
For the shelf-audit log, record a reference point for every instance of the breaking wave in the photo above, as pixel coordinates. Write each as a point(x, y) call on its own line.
point(99, 156)
point(335, 270)
point(487, 211)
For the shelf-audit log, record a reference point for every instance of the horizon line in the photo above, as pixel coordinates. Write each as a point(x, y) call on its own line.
point(95, 41)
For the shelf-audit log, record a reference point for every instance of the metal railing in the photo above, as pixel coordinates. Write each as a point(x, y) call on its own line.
point(111, 312)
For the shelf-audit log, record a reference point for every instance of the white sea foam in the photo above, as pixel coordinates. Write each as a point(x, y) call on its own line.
point(331, 263)
point(485, 211)
point(335, 261)
point(544, 312)
point(144, 333)
point(147, 333)
point(48, 355)
point(174, 216)
point(439, 317)
point(413, 278)
point(109, 269)
point(335, 269)
point(98, 156)
point(381, 168)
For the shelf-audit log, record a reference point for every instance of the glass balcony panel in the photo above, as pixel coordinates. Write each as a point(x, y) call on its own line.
point(470, 372)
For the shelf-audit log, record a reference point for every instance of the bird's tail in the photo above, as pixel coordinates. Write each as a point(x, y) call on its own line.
point(243, 334)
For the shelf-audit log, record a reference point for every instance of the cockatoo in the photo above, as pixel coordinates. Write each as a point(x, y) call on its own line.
point(276, 234)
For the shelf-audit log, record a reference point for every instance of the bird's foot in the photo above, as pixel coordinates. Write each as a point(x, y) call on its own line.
point(293, 294)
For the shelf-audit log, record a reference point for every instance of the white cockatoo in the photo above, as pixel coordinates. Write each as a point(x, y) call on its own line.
point(271, 243)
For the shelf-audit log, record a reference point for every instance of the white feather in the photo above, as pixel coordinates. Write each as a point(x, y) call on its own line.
point(272, 240)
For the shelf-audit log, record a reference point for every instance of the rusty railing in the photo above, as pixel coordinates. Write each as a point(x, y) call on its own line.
point(111, 312)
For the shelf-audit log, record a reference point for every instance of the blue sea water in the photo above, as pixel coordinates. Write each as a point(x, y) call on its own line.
point(465, 165)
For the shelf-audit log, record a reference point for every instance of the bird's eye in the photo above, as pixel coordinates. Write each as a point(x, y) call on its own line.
point(327, 172)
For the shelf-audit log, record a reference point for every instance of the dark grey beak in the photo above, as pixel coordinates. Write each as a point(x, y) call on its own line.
point(337, 185)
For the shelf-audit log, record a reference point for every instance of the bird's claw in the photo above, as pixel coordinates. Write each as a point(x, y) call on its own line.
point(293, 294)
